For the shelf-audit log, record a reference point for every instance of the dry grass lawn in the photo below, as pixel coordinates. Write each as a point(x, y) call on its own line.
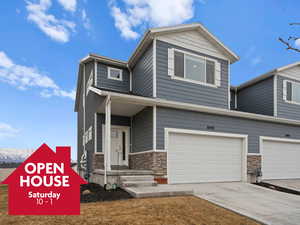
point(173, 211)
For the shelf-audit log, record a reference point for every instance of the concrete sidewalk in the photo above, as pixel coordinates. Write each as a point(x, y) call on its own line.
point(163, 190)
point(292, 184)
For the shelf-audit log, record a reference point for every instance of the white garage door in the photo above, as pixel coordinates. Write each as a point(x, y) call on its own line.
point(194, 158)
point(280, 160)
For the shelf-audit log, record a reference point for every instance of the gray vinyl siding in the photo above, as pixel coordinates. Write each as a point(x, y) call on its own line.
point(79, 129)
point(104, 82)
point(258, 98)
point(115, 120)
point(188, 92)
point(232, 100)
point(92, 102)
point(174, 118)
point(284, 109)
point(142, 130)
point(142, 74)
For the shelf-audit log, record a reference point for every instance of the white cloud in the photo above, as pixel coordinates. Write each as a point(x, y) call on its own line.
point(85, 20)
point(69, 5)
point(57, 29)
point(5, 61)
point(138, 13)
point(297, 42)
point(7, 130)
point(24, 77)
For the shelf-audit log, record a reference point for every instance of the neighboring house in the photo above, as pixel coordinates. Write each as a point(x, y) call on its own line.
point(170, 111)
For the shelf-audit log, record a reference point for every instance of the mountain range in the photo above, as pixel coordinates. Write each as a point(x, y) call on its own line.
point(14, 155)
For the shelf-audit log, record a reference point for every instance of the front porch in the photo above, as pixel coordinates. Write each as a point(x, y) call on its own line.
point(124, 142)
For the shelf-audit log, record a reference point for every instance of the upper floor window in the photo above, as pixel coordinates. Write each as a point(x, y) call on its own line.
point(194, 68)
point(115, 74)
point(292, 92)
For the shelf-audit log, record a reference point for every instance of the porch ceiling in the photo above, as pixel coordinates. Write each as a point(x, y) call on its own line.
point(122, 108)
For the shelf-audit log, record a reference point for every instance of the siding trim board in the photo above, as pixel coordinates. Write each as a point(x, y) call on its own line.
point(154, 127)
point(154, 67)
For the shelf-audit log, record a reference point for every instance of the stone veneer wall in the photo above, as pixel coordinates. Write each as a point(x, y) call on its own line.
point(253, 163)
point(98, 161)
point(155, 161)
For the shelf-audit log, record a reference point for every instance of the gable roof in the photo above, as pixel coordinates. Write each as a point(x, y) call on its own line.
point(267, 75)
point(146, 40)
point(151, 33)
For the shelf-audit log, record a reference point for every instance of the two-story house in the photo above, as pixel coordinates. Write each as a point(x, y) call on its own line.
point(171, 112)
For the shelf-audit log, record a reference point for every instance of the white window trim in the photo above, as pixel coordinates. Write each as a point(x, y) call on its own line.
point(114, 78)
point(291, 102)
point(190, 80)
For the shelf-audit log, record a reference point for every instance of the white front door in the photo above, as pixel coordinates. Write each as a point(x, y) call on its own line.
point(119, 146)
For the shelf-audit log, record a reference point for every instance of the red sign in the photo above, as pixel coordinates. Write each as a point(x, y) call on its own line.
point(45, 184)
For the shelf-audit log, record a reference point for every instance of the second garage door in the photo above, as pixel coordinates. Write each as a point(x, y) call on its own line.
point(195, 157)
point(280, 158)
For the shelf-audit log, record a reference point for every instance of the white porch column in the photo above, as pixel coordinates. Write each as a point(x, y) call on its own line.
point(107, 133)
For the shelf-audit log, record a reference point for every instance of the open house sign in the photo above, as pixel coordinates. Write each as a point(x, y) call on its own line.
point(45, 184)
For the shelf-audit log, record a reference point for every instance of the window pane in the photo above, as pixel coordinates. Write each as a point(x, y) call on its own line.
point(289, 91)
point(179, 64)
point(195, 68)
point(210, 72)
point(296, 93)
point(115, 73)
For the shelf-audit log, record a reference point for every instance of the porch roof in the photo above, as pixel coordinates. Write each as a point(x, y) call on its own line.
point(147, 101)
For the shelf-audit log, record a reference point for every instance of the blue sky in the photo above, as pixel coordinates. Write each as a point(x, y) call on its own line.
point(43, 41)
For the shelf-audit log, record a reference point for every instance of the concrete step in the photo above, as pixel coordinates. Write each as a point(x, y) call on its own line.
point(139, 183)
point(137, 178)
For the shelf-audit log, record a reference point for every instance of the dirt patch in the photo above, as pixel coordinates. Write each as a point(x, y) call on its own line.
point(94, 193)
point(157, 211)
point(278, 188)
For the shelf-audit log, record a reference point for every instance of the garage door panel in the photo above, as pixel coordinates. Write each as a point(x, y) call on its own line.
point(281, 160)
point(201, 158)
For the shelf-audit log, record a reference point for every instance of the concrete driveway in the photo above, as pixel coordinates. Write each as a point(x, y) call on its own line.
point(292, 184)
point(262, 204)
